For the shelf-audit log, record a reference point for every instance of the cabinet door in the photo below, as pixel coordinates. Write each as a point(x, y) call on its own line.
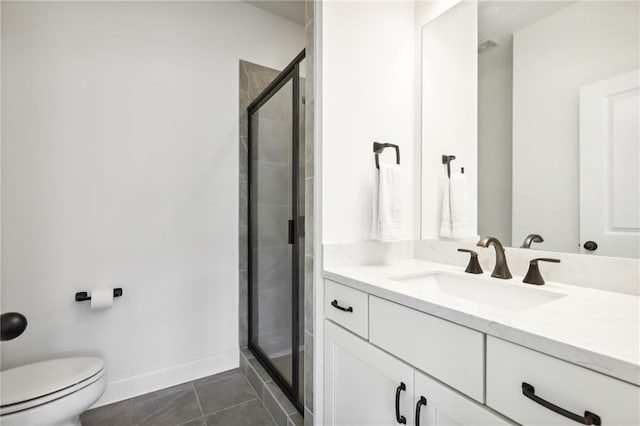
point(361, 382)
point(442, 406)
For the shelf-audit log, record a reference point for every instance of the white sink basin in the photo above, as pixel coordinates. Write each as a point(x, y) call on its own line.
point(507, 296)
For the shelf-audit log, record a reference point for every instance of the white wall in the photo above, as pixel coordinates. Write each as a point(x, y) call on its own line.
point(365, 90)
point(495, 83)
point(579, 44)
point(120, 168)
point(449, 108)
point(368, 72)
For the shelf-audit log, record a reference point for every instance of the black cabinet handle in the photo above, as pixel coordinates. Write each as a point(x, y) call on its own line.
point(588, 418)
point(590, 245)
point(400, 419)
point(422, 401)
point(335, 305)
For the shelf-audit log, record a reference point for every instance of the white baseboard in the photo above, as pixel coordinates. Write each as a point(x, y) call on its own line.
point(121, 389)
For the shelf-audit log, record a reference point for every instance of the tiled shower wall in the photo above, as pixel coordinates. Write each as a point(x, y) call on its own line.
point(309, 216)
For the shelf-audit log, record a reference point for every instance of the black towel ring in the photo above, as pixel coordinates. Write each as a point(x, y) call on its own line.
point(378, 147)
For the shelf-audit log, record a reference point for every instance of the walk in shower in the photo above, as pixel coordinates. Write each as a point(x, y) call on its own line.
point(276, 229)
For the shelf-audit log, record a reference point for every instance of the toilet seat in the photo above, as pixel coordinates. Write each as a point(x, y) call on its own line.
point(35, 384)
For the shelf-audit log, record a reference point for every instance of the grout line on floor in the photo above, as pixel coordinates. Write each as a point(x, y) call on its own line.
point(195, 418)
point(173, 397)
point(216, 380)
point(233, 406)
point(193, 386)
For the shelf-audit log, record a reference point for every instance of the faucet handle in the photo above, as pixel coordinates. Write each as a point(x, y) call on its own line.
point(533, 275)
point(474, 266)
point(531, 238)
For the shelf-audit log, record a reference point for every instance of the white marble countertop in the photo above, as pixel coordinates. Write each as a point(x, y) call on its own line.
point(596, 329)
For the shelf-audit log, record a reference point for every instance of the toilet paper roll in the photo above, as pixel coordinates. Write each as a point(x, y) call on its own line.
point(102, 298)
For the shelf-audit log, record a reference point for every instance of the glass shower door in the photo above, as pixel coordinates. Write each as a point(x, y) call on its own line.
point(271, 150)
point(276, 240)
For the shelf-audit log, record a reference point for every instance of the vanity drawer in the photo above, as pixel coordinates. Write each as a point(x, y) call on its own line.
point(565, 385)
point(347, 307)
point(449, 352)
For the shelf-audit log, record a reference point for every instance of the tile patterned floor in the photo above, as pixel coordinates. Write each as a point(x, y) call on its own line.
point(223, 399)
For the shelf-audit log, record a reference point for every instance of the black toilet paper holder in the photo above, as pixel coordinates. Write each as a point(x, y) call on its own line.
point(81, 296)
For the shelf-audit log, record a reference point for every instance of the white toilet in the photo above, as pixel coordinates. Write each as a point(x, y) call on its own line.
point(52, 393)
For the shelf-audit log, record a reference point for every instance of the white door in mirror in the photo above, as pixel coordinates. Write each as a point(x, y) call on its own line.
point(610, 166)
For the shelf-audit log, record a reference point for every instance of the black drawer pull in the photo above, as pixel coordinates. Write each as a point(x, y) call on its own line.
point(400, 419)
point(335, 305)
point(422, 401)
point(588, 419)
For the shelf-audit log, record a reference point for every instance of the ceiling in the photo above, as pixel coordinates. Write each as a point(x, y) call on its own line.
point(293, 10)
point(499, 19)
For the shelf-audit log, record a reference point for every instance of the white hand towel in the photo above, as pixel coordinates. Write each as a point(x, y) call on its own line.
point(387, 203)
point(445, 222)
point(459, 206)
point(375, 224)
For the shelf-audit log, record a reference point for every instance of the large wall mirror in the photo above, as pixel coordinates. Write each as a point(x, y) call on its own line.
point(558, 139)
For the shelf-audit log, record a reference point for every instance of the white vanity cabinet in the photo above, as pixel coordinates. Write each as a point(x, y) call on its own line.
point(366, 386)
point(388, 364)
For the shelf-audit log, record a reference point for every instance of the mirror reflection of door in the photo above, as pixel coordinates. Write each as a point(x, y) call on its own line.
point(609, 166)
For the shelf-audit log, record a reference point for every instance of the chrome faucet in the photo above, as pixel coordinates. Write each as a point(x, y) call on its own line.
point(501, 270)
point(531, 238)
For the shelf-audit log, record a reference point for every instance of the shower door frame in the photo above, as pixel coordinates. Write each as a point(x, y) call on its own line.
point(290, 73)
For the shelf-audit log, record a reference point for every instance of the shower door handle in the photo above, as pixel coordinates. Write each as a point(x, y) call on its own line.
point(291, 237)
